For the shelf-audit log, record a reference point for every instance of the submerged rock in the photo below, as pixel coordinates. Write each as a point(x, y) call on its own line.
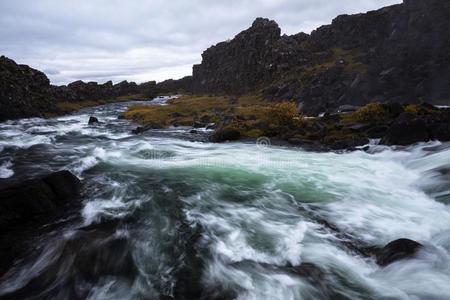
point(26, 206)
point(397, 250)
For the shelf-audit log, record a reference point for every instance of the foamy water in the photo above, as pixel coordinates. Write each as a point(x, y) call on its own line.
point(237, 216)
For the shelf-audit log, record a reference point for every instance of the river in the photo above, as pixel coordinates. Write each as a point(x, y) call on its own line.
point(163, 214)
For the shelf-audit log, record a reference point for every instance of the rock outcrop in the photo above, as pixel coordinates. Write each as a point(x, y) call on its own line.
point(396, 54)
point(397, 250)
point(26, 206)
point(37, 197)
point(24, 92)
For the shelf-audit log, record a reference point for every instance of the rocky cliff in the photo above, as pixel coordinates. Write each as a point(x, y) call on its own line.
point(396, 54)
point(26, 92)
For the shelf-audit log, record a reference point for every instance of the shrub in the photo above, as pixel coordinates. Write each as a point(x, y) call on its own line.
point(284, 114)
point(372, 112)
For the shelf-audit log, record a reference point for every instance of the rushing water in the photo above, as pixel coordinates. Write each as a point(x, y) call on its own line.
point(165, 215)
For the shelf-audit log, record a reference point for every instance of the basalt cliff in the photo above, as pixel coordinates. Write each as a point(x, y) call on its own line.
point(399, 53)
point(26, 92)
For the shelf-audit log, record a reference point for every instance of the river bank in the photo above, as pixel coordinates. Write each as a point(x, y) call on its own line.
point(252, 117)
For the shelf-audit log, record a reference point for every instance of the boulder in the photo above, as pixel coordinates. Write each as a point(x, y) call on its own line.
point(406, 131)
point(141, 129)
point(225, 135)
point(397, 250)
point(93, 120)
point(39, 196)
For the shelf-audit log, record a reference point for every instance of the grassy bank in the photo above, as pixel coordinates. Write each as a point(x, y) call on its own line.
point(66, 107)
point(254, 117)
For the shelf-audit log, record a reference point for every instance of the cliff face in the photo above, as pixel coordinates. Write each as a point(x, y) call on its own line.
point(24, 92)
point(399, 53)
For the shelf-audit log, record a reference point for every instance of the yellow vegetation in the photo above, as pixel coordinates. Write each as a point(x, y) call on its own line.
point(70, 106)
point(284, 114)
point(188, 109)
point(372, 112)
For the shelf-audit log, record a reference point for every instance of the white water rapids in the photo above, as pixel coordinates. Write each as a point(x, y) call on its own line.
point(248, 213)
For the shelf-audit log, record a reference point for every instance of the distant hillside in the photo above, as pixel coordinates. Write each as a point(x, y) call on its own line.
point(399, 53)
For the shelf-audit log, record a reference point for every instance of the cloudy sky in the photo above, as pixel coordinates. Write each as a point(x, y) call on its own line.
point(143, 40)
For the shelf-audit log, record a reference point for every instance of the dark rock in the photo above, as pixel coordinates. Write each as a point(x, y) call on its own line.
point(397, 250)
point(93, 120)
point(140, 129)
point(180, 86)
point(224, 135)
point(193, 131)
point(198, 124)
point(440, 131)
point(211, 126)
point(37, 196)
point(309, 271)
point(406, 131)
point(349, 143)
point(121, 117)
point(377, 132)
point(396, 54)
point(24, 92)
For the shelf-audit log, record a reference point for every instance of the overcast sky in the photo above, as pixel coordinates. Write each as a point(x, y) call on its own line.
point(143, 40)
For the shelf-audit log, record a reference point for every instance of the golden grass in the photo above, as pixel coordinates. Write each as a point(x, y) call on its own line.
point(372, 112)
point(70, 106)
point(188, 109)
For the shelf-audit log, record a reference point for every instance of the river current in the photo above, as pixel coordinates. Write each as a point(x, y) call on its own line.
point(166, 214)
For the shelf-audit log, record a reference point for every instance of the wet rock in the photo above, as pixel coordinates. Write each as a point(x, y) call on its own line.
point(211, 126)
point(397, 250)
point(93, 120)
point(406, 130)
point(309, 271)
point(141, 129)
point(198, 124)
point(37, 196)
point(349, 143)
point(26, 206)
point(121, 117)
point(193, 131)
point(225, 134)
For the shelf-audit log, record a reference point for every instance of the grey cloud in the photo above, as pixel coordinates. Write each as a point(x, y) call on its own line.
point(143, 40)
